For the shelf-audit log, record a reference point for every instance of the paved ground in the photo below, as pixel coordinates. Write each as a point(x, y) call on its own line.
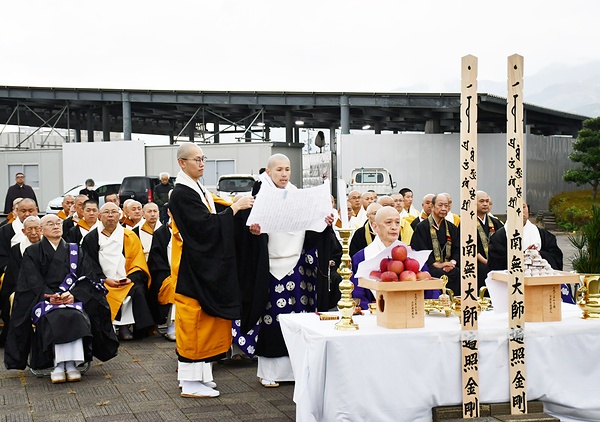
point(141, 384)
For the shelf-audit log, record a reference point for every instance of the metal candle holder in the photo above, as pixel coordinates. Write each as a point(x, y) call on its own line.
point(346, 303)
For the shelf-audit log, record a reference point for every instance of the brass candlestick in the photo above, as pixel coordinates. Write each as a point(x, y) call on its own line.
point(346, 304)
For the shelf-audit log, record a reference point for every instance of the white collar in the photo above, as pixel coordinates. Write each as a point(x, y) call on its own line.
point(205, 196)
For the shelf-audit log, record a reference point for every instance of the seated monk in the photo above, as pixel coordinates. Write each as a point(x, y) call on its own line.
point(57, 292)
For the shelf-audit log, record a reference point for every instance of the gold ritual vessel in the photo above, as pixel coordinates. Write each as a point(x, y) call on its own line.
point(588, 296)
point(449, 304)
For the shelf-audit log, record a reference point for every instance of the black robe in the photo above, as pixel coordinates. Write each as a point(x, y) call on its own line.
point(8, 287)
point(207, 271)
point(68, 224)
point(43, 269)
point(16, 191)
point(73, 235)
point(254, 279)
point(359, 241)
point(549, 250)
point(139, 290)
point(421, 240)
point(158, 264)
point(483, 269)
point(6, 234)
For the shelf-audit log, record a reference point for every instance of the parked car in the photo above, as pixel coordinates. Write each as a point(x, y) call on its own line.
point(230, 185)
point(139, 188)
point(103, 189)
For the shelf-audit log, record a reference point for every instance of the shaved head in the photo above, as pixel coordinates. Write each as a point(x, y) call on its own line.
point(387, 225)
point(275, 159)
point(187, 149)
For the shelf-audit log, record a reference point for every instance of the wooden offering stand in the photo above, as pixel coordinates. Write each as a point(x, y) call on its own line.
point(542, 294)
point(400, 304)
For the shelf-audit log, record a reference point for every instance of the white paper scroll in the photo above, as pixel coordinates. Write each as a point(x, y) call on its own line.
point(289, 210)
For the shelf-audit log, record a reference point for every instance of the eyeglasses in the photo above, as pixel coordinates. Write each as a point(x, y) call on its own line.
point(110, 212)
point(198, 160)
point(55, 224)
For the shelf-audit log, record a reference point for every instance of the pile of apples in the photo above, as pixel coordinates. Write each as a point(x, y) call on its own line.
point(399, 267)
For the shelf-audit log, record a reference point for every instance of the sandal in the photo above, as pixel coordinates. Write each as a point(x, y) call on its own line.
point(268, 383)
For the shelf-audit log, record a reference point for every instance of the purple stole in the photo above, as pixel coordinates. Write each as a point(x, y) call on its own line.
point(44, 307)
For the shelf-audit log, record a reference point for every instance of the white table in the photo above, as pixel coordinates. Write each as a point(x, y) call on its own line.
point(380, 374)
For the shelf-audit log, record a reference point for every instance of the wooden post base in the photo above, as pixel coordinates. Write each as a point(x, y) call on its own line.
point(493, 412)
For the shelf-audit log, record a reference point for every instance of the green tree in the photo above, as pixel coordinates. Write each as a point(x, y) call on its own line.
point(586, 150)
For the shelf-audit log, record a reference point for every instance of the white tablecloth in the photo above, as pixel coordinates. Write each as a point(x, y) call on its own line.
point(379, 374)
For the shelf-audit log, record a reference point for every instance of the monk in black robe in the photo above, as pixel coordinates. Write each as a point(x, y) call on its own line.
point(267, 263)
point(487, 228)
point(548, 248)
point(363, 236)
point(33, 233)
point(206, 295)
point(160, 269)
point(443, 239)
point(80, 312)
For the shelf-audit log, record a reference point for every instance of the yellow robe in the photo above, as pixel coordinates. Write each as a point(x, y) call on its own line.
point(61, 214)
point(406, 231)
point(222, 201)
point(198, 335)
point(166, 294)
point(134, 261)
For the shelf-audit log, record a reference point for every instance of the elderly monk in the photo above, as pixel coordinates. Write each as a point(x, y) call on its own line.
point(56, 291)
point(117, 258)
point(386, 224)
point(146, 230)
point(33, 233)
point(67, 202)
point(443, 239)
point(364, 235)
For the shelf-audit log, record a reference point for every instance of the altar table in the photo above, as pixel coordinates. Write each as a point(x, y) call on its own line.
point(380, 374)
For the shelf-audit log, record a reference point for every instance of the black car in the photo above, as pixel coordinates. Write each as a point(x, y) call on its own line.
point(139, 188)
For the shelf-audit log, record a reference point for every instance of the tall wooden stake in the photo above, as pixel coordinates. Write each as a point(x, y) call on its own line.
point(515, 155)
point(468, 237)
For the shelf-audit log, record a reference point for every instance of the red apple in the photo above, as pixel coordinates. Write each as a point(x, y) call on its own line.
point(395, 266)
point(423, 275)
point(376, 275)
point(399, 253)
point(411, 264)
point(389, 276)
point(384, 264)
point(408, 276)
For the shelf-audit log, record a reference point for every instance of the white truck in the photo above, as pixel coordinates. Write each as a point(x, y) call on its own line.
point(372, 178)
point(230, 185)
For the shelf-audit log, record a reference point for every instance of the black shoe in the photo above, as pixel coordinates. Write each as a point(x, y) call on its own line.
point(125, 333)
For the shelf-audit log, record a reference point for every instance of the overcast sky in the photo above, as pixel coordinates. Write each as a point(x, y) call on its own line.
point(278, 45)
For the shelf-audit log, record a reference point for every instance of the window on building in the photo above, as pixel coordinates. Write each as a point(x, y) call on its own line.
point(31, 172)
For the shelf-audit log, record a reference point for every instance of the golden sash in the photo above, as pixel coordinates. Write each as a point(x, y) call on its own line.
point(437, 252)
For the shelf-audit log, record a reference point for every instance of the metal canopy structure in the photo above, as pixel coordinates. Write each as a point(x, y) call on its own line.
point(186, 112)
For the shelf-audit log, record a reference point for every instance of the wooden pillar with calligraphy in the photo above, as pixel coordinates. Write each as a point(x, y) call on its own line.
point(468, 237)
point(515, 159)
